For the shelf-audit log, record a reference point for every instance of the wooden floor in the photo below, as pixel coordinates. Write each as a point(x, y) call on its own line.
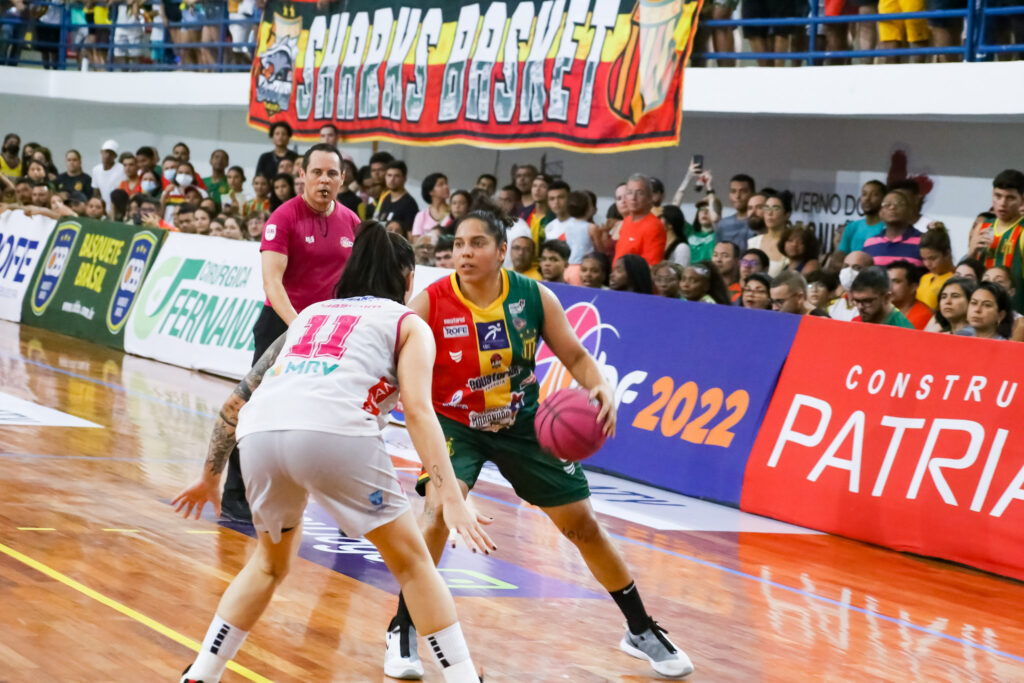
point(99, 581)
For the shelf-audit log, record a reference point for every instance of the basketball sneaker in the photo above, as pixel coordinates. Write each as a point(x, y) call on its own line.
point(400, 659)
point(665, 658)
point(186, 679)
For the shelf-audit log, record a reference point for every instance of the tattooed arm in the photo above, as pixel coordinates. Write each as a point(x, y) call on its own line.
point(207, 488)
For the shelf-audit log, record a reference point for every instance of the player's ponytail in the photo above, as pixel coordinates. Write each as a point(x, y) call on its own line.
point(378, 266)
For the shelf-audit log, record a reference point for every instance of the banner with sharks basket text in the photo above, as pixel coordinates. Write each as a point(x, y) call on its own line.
point(589, 75)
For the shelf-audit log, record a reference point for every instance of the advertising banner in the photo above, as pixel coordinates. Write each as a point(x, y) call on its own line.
point(911, 441)
point(198, 305)
point(22, 239)
point(589, 75)
point(691, 382)
point(86, 282)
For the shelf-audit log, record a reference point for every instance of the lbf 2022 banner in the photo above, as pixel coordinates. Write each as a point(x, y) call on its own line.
point(592, 75)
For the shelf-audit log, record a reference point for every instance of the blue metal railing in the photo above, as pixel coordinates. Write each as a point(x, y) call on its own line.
point(977, 17)
point(69, 50)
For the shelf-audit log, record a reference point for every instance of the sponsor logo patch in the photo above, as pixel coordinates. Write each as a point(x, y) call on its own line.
point(455, 331)
point(270, 232)
point(492, 335)
point(346, 242)
point(456, 356)
point(517, 307)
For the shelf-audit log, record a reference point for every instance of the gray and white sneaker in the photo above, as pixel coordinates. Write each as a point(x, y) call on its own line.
point(401, 659)
point(653, 645)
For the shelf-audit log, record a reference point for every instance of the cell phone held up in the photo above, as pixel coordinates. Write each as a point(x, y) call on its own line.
point(698, 161)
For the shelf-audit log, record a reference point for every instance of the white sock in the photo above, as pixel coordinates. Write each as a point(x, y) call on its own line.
point(220, 646)
point(450, 650)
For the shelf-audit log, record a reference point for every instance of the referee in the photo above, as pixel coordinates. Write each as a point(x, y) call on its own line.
point(306, 243)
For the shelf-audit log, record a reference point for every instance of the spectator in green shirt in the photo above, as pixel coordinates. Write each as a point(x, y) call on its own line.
point(217, 183)
point(701, 235)
point(870, 294)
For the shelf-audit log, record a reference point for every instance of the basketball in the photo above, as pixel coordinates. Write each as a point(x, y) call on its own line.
point(567, 425)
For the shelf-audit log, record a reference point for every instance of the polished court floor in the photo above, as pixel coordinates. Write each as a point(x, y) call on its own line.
point(99, 581)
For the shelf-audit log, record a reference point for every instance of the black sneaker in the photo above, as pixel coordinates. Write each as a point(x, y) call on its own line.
point(234, 511)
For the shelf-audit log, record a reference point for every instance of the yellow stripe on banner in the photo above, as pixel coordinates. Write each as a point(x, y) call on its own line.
point(123, 609)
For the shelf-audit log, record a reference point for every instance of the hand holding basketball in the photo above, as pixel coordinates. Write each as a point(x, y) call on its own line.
point(573, 424)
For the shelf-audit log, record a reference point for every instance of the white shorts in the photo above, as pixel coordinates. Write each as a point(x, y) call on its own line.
point(127, 41)
point(351, 477)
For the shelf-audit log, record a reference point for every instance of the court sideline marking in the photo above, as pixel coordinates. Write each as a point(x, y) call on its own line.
point(704, 563)
point(123, 609)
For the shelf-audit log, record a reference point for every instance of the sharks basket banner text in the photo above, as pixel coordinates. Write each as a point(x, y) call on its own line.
point(591, 75)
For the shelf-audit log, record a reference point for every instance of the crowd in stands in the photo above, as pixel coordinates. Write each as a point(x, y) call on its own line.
point(892, 267)
point(205, 33)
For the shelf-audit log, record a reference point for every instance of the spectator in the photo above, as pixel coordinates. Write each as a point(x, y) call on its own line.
point(261, 197)
point(757, 292)
point(574, 229)
point(281, 135)
point(900, 239)
point(641, 232)
point(606, 236)
point(22, 191)
point(143, 211)
point(820, 286)
point(423, 250)
point(11, 163)
point(379, 162)
point(435, 192)
point(701, 178)
point(286, 167)
point(896, 34)
point(460, 203)
point(329, 134)
point(1001, 275)
point(540, 213)
point(774, 38)
point(755, 213)
point(843, 307)
point(972, 269)
point(912, 187)
point(168, 169)
point(108, 174)
point(554, 259)
point(46, 32)
point(946, 31)
point(16, 17)
point(726, 259)
point(954, 298)
point(631, 273)
point(145, 157)
point(348, 196)
point(129, 32)
point(36, 172)
point(667, 277)
point(132, 183)
point(753, 261)
point(216, 228)
point(181, 152)
point(777, 208)
point(509, 199)
point(701, 282)
point(232, 228)
point(999, 242)
point(678, 249)
point(487, 183)
point(149, 183)
point(856, 232)
point(284, 189)
point(937, 257)
point(443, 251)
point(789, 295)
point(178, 190)
point(234, 198)
point(41, 195)
point(657, 193)
point(202, 221)
point(736, 228)
point(522, 251)
point(254, 226)
point(801, 248)
point(595, 269)
point(96, 209)
point(989, 315)
point(904, 277)
point(118, 204)
point(216, 183)
point(73, 179)
point(870, 294)
point(722, 39)
point(522, 178)
point(396, 204)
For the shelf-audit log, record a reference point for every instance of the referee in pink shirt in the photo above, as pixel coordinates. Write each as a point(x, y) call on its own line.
point(306, 243)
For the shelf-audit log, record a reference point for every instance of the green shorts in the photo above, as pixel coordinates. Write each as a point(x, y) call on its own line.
point(537, 477)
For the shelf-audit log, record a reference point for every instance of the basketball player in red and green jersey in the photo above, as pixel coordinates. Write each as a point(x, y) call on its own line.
point(486, 323)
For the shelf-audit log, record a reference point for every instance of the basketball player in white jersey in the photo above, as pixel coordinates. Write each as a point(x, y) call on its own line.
point(309, 419)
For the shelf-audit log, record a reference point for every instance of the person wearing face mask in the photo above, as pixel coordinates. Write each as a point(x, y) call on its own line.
point(175, 193)
point(843, 308)
point(149, 184)
point(168, 168)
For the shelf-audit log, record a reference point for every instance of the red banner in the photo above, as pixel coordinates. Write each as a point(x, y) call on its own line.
point(911, 441)
point(591, 75)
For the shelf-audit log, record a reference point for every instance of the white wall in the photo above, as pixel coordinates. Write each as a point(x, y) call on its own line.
point(824, 151)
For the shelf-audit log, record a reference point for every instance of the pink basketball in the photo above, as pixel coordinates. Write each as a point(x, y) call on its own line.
point(567, 425)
